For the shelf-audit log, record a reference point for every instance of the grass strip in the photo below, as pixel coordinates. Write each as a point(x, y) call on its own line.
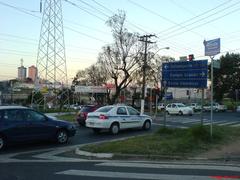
point(170, 142)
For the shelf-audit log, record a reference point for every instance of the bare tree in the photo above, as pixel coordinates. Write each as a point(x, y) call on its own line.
point(94, 75)
point(120, 58)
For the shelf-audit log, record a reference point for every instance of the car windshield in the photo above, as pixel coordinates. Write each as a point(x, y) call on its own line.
point(86, 108)
point(181, 105)
point(104, 109)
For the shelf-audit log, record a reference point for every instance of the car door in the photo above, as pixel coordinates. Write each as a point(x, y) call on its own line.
point(38, 125)
point(14, 125)
point(123, 117)
point(175, 109)
point(135, 118)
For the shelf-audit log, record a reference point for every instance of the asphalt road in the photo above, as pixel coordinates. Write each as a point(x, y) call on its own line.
point(85, 135)
point(114, 171)
point(231, 119)
point(44, 160)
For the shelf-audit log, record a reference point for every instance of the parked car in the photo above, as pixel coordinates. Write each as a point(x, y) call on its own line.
point(82, 114)
point(22, 124)
point(75, 106)
point(117, 117)
point(179, 108)
point(238, 109)
point(216, 107)
point(196, 106)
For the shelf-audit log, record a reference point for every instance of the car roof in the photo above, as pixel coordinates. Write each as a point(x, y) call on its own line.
point(13, 107)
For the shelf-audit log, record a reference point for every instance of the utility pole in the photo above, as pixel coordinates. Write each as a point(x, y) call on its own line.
point(146, 41)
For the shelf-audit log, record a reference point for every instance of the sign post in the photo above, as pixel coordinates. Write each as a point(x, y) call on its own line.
point(212, 48)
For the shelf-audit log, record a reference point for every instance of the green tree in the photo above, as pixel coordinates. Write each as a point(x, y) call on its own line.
point(227, 78)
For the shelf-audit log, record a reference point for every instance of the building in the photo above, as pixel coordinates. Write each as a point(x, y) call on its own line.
point(22, 73)
point(32, 72)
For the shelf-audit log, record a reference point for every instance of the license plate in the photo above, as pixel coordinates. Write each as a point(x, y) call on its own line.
point(91, 123)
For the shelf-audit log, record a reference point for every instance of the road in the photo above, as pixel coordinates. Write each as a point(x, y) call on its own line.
point(46, 161)
point(231, 119)
point(114, 170)
point(85, 135)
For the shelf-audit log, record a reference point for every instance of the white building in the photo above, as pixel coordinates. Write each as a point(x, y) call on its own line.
point(22, 73)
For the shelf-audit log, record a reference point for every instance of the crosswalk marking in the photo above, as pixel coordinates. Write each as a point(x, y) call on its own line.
point(186, 123)
point(127, 175)
point(169, 166)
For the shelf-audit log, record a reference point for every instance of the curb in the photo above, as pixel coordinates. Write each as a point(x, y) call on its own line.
point(152, 158)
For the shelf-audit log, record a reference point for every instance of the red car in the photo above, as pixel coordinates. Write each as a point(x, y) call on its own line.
point(82, 114)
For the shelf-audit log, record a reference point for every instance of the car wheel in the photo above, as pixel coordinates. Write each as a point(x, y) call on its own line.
point(147, 125)
point(114, 129)
point(180, 113)
point(96, 130)
point(167, 112)
point(2, 142)
point(62, 136)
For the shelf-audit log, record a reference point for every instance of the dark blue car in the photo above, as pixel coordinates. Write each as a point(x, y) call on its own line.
point(22, 124)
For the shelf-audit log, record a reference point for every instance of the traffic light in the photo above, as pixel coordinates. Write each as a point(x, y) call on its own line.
point(190, 57)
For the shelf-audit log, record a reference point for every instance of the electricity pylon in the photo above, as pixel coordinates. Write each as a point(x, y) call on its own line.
point(51, 78)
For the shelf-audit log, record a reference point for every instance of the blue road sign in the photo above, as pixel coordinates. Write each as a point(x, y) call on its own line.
point(185, 74)
point(169, 96)
point(212, 47)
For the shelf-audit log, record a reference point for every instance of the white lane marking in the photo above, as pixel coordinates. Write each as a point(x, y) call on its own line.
point(227, 123)
point(235, 125)
point(167, 125)
point(191, 121)
point(127, 175)
point(170, 166)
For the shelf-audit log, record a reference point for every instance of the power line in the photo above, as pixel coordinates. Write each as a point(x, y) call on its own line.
point(94, 8)
point(84, 34)
point(73, 4)
point(153, 12)
point(212, 20)
point(109, 10)
point(199, 15)
point(19, 9)
point(204, 18)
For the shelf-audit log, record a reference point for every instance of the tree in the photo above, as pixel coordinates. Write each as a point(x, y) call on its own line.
point(227, 78)
point(94, 76)
point(119, 59)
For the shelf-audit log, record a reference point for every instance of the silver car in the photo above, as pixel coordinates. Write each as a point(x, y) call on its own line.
point(117, 117)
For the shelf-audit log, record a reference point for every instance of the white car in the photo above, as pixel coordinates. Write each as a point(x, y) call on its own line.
point(195, 106)
point(216, 107)
point(179, 108)
point(238, 109)
point(117, 117)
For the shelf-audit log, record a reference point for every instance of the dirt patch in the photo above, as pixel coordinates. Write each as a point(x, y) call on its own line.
point(227, 151)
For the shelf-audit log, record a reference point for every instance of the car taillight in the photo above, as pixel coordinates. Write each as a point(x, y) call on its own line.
point(103, 117)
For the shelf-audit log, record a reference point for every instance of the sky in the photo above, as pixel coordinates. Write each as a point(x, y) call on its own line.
point(181, 25)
